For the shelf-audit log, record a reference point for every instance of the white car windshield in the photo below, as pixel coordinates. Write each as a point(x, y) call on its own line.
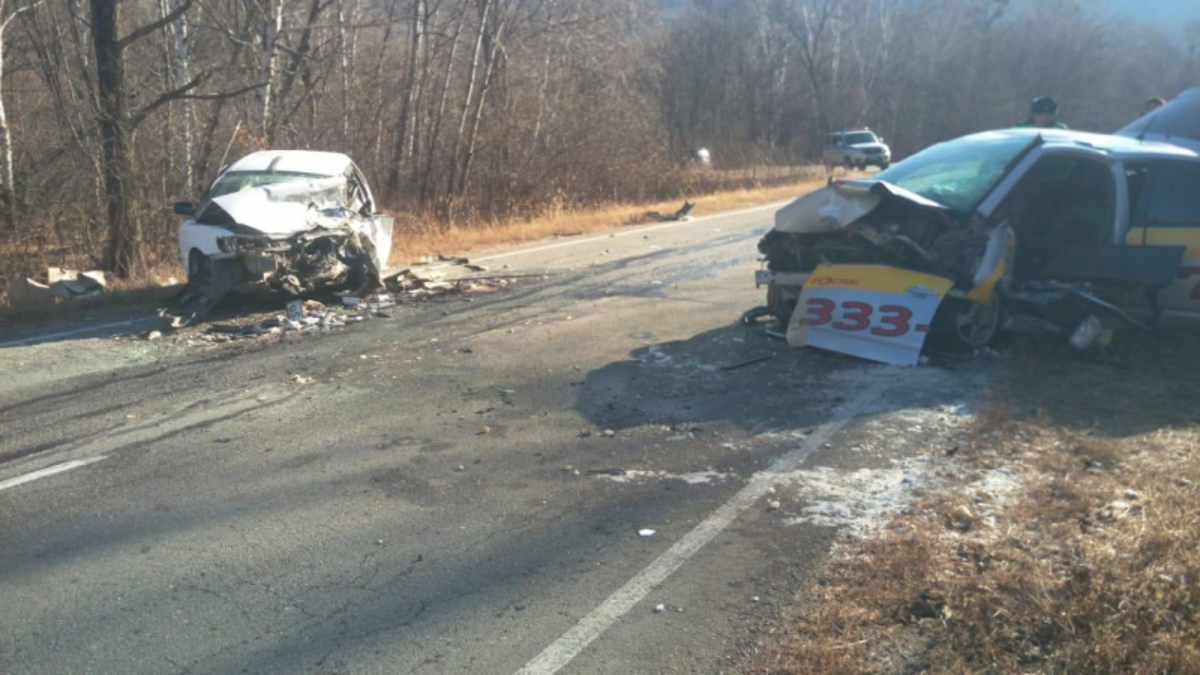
point(959, 173)
point(860, 137)
point(236, 181)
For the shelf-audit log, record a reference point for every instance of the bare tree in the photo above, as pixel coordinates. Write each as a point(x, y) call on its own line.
point(7, 188)
point(463, 110)
point(411, 94)
point(812, 22)
point(272, 14)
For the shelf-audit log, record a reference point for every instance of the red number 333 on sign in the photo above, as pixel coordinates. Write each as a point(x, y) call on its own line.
point(894, 320)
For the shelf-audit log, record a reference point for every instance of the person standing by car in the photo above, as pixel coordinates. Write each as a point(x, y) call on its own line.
point(1043, 114)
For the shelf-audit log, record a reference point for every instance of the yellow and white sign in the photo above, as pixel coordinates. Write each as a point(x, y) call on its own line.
point(873, 312)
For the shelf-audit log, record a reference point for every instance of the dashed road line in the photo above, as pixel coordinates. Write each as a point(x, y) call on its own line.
point(49, 471)
point(563, 650)
point(46, 337)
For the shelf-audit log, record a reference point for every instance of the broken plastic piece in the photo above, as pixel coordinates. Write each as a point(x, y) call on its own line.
point(1086, 333)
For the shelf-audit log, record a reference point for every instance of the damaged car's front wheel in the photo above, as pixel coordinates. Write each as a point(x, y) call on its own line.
point(965, 325)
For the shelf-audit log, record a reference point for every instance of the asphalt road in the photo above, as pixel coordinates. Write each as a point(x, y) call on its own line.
point(171, 509)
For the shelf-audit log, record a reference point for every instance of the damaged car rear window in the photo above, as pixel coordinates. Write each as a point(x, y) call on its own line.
point(957, 174)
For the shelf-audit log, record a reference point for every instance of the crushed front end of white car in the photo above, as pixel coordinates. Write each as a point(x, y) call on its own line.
point(294, 233)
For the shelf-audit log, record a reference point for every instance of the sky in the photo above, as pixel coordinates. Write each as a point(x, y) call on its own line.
point(1167, 13)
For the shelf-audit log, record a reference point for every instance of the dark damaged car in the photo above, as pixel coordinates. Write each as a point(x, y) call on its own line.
point(291, 221)
point(1054, 231)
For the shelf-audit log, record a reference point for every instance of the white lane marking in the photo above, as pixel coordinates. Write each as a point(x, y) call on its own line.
point(69, 333)
point(110, 443)
point(49, 471)
point(563, 650)
point(626, 233)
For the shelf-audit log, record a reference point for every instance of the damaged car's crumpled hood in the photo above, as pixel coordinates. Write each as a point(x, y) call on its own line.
point(285, 209)
point(839, 204)
point(289, 209)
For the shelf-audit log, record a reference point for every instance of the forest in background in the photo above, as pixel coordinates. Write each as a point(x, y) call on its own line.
point(485, 111)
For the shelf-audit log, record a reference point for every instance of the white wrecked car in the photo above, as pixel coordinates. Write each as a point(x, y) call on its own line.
point(1026, 229)
point(294, 221)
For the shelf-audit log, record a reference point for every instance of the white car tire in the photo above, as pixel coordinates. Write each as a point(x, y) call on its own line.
point(197, 263)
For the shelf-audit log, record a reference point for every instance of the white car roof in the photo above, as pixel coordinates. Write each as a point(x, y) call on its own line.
point(295, 161)
point(1120, 147)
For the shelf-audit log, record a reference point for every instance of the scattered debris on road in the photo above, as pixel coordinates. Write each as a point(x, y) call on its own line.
point(429, 277)
point(56, 285)
point(748, 362)
point(646, 533)
point(301, 316)
point(679, 215)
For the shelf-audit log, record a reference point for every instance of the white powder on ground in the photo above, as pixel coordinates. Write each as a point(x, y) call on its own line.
point(860, 500)
point(706, 477)
point(857, 499)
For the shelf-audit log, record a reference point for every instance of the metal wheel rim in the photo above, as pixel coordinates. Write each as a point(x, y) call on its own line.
point(979, 323)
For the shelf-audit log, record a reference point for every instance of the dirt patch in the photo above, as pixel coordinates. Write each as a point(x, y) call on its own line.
point(1060, 536)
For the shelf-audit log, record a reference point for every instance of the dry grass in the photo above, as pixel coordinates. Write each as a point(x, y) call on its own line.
point(414, 239)
point(1070, 575)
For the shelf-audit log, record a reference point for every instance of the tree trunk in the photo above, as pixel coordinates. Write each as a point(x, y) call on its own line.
point(494, 55)
point(122, 255)
point(466, 106)
point(411, 88)
point(8, 189)
point(7, 193)
point(345, 62)
point(267, 62)
point(431, 145)
point(295, 65)
point(180, 65)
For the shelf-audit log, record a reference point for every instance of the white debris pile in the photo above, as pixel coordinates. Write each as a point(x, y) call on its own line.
point(56, 285)
point(301, 316)
point(444, 274)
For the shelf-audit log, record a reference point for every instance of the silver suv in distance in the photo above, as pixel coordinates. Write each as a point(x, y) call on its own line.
point(856, 149)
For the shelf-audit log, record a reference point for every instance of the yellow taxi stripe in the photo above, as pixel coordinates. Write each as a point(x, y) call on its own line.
point(1167, 236)
point(880, 278)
